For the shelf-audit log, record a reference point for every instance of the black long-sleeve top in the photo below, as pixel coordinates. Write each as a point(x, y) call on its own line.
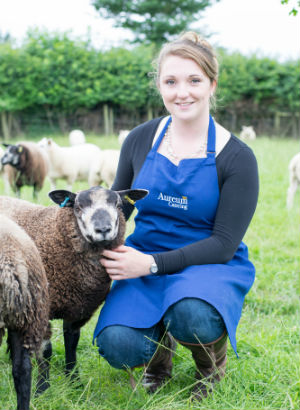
point(238, 184)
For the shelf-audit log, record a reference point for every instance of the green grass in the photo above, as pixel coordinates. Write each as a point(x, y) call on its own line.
point(266, 376)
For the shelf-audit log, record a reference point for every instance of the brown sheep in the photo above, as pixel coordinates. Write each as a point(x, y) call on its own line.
point(25, 164)
point(24, 303)
point(70, 240)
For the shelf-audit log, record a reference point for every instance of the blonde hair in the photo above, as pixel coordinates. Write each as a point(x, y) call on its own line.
point(190, 45)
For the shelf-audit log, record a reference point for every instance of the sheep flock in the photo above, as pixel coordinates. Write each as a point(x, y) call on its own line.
point(32, 164)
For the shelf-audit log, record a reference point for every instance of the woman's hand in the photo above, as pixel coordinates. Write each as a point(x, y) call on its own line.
point(125, 262)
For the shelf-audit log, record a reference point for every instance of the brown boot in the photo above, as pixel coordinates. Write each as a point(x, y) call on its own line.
point(159, 369)
point(210, 360)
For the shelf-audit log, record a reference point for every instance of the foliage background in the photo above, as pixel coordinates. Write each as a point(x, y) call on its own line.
point(53, 82)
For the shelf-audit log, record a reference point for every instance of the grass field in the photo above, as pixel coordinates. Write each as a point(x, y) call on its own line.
point(266, 376)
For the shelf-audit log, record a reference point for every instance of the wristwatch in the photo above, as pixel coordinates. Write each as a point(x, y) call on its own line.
point(153, 267)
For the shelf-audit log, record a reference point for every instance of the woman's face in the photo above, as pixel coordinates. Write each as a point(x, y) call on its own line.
point(185, 88)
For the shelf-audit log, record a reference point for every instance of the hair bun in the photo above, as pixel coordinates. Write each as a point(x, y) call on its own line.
point(195, 38)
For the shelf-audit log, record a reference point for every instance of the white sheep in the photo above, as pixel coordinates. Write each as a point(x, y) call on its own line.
point(75, 163)
point(24, 303)
point(122, 136)
point(294, 177)
point(70, 239)
point(105, 169)
point(76, 137)
point(248, 133)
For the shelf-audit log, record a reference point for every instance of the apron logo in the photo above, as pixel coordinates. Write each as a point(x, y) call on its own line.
point(174, 201)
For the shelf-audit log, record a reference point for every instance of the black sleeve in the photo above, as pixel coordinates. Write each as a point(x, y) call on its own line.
point(238, 198)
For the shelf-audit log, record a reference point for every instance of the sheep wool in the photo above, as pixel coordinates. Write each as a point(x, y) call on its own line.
point(24, 303)
point(23, 285)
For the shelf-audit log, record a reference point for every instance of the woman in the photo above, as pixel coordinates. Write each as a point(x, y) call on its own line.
point(184, 272)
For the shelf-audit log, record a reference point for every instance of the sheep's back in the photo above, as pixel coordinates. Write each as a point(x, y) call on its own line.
point(38, 162)
point(24, 298)
point(75, 160)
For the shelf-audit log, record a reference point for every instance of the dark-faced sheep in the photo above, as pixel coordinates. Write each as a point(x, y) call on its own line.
point(25, 164)
point(70, 240)
point(24, 303)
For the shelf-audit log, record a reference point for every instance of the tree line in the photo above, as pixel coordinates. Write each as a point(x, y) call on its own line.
point(66, 82)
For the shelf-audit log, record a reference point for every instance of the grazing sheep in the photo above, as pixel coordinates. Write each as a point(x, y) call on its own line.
point(122, 135)
point(73, 163)
point(106, 168)
point(70, 240)
point(76, 137)
point(25, 164)
point(247, 133)
point(294, 176)
point(24, 303)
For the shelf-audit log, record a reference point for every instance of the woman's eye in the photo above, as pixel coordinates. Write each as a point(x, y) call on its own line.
point(170, 82)
point(195, 80)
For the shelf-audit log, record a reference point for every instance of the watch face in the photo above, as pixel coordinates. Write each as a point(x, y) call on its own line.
point(154, 268)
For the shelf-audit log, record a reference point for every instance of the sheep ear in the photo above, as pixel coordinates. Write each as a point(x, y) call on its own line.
point(63, 198)
point(132, 195)
point(5, 144)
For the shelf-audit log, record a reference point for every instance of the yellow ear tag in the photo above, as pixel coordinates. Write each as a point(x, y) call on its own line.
point(20, 148)
point(131, 201)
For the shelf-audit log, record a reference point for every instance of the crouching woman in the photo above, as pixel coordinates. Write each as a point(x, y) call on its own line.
point(184, 272)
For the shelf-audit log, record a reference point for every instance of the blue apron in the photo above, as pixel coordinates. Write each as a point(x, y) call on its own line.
point(179, 210)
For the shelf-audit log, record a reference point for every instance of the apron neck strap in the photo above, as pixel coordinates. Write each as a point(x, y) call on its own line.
point(211, 139)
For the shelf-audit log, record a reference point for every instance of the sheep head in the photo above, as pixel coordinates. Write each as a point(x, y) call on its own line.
point(12, 154)
point(97, 210)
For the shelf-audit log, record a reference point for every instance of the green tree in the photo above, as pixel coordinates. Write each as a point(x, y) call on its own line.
point(67, 76)
point(294, 10)
point(18, 74)
point(153, 21)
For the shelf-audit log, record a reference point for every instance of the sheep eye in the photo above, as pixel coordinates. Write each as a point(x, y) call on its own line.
point(77, 208)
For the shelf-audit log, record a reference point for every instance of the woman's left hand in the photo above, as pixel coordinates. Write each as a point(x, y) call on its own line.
point(125, 262)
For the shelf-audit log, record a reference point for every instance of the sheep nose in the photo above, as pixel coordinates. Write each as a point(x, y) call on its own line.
point(102, 227)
